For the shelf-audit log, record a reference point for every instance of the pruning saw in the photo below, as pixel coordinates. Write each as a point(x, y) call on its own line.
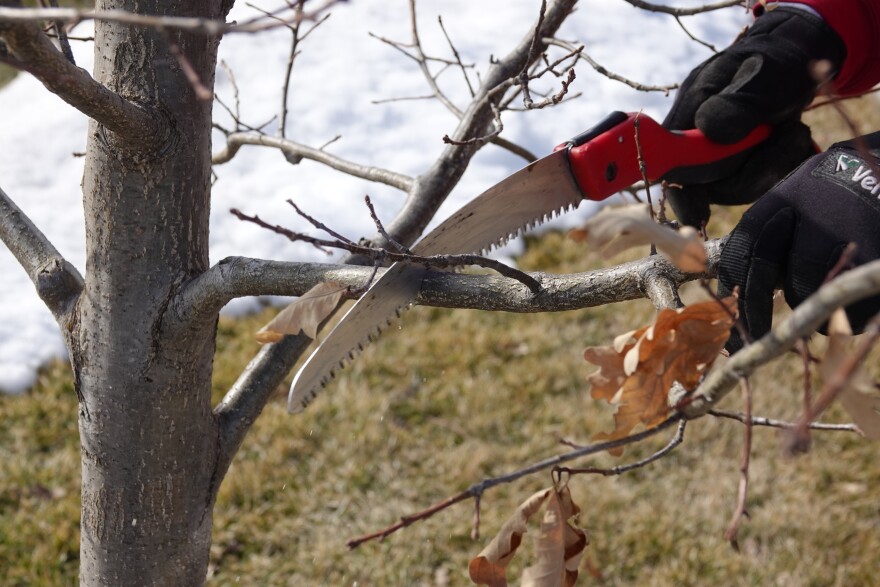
point(591, 166)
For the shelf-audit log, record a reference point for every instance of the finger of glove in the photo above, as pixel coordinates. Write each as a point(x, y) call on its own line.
point(754, 260)
point(766, 77)
point(764, 90)
point(741, 179)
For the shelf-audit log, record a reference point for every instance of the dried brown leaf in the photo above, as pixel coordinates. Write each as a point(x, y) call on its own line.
point(637, 372)
point(858, 397)
point(304, 314)
point(617, 229)
point(559, 544)
point(490, 566)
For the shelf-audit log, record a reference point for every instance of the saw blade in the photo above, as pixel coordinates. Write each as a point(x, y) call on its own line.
point(524, 200)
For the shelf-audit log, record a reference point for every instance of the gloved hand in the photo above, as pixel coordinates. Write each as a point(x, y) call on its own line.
point(765, 77)
point(795, 234)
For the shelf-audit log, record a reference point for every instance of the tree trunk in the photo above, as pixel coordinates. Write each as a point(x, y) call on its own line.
point(149, 439)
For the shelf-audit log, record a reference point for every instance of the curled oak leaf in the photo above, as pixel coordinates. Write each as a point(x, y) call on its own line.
point(304, 314)
point(617, 229)
point(575, 539)
point(490, 566)
point(637, 373)
point(858, 397)
point(559, 544)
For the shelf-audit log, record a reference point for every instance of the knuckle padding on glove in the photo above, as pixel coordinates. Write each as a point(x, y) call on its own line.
point(793, 236)
point(763, 78)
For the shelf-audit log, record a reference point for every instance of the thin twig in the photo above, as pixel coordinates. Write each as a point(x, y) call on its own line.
point(709, 46)
point(478, 489)
point(740, 512)
point(683, 11)
point(799, 441)
point(771, 423)
point(381, 228)
point(455, 54)
point(61, 32)
point(201, 90)
point(375, 253)
point(318, 224)
point(205, 26)
point(621, 469)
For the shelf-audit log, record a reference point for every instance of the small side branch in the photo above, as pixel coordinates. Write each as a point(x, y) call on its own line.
point(683, 11)
point(58, 282)
point(34, 53)
point(772, 423)
point(620, 470)
point(295, 151)
point(478, 489)
point(854, 285)
point(740, 512)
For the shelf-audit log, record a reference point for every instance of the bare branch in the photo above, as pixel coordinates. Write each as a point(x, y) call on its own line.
point(61, 33)
point(854, 285)
point(205, 26)
point(58, 282)
point(684, 11)
point(621, 469)
point(740, 512)
point(35, 53)
point(236, 277)
point(478, 489)
point(602, 70)
point(293, 150)
point(799, 440)
point(377, 254)
point(771, 423)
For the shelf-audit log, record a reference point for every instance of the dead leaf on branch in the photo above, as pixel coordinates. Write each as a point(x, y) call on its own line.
point(304, 314)
point(858, 396)
point(638, 370)
point(617, 229)
point(559, 544)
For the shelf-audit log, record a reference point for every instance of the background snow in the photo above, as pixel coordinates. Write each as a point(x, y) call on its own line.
point(339, 74)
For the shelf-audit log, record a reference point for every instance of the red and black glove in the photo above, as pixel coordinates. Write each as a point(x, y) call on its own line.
point(794, 235)
point(765, 78)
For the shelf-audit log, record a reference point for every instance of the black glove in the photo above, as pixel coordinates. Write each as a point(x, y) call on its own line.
point(794, 235)
point(766, 77)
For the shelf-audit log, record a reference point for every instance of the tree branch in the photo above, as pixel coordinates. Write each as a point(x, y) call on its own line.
point(683, 11)
point(58, 282)
point(854, 285)
point(294, 152)
point(425, 196)
point(236, 277)
point(205, 26)
point(35, 54)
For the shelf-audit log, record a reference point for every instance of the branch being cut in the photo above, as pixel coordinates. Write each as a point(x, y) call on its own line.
point(33, 52)
point(236, 277)
point(58, 282)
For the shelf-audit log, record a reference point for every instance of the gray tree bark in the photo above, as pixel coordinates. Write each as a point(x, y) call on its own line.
point(149, 438)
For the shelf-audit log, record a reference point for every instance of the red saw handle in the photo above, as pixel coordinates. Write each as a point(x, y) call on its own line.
point(605, 159)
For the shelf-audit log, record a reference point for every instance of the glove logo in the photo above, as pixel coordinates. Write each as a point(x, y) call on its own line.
point(845, 162)
point(851, 172)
